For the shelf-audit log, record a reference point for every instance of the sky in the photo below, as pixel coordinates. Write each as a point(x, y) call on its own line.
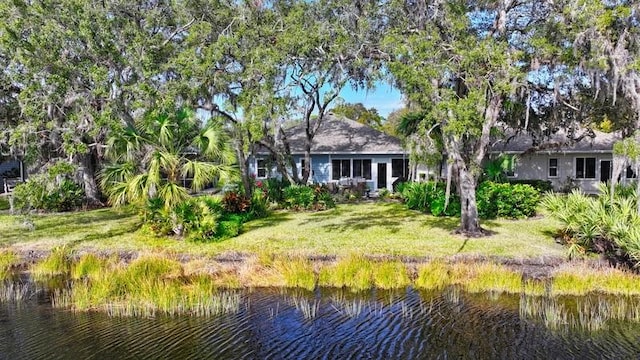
point(383, 97)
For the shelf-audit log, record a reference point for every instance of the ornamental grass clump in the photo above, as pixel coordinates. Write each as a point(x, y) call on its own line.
point(390, 275)
point(147, 286)
point(488, 277)
point(7, 260)
point(57, 263)
point(434, 275)
point(354, 272)
point(296, 272)
point(88, 266)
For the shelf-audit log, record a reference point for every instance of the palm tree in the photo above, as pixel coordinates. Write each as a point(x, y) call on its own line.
point(153, 159)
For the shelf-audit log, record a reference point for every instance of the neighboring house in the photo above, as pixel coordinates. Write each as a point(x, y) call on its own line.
point(583, 164)
point(343, 150)
point(11, 172)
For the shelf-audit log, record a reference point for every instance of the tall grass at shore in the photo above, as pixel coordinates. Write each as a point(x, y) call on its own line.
point(390, 275)
point(7, 260)
point(354, 272)
point(57, 263)
point(159, 284)
point(475, 277)
point(296, 272)
point(88, 266)
point(581, 281)
point(147, 286)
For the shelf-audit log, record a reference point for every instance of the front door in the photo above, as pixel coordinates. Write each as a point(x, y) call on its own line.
point(605, 170)
point(382, 175)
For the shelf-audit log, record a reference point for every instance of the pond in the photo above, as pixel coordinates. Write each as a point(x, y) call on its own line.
point(333, 324)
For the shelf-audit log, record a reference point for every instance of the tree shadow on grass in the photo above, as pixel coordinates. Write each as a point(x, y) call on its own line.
point(273, 219)
point(63, 225)
point(391, 218)
point(450, 224)
point(108, 234)
point(79, 218)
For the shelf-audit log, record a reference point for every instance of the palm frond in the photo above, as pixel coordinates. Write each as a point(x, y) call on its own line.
point(172, 194)
point(138, 188)
point(203, 173)
point(115, 173)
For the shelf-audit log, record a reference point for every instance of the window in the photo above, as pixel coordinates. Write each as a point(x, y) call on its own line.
point(553, 167)
point(630, 173)
point(585, 168)
point(261, 168)
point(340, 168)
point(362, 168)
point(399, 168)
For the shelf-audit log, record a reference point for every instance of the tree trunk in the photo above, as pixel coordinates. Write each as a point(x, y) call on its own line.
point(306, 169)
point(469, 222)
point(87, 172)
point(244, 169)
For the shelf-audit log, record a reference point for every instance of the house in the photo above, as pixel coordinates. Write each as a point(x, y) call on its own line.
point(343, 150)
point(583, 164)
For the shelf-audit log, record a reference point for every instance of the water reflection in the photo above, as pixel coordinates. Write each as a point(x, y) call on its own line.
point(331, 323)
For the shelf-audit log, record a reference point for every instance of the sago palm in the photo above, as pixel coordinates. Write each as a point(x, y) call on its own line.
point(152, 159)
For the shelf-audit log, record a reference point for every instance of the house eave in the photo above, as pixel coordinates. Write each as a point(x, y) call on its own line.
point(342, 153)
point(513, 152)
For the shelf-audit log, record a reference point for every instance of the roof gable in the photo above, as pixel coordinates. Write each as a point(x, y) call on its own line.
point(342, 135)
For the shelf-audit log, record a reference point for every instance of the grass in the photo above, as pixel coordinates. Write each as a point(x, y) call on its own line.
point(578, 280)
point(88, 266)
point(148, 285)
point(4, 203)
point(297, 272)
point(354, 272)
point(7, 260)
point(57, 263)
point(386, 229)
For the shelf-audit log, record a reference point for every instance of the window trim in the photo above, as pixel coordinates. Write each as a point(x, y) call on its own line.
point(407, 167)
point(584, 170)
point(362, 167)
point(340, 174)
point(549, 167)
point(266, 172)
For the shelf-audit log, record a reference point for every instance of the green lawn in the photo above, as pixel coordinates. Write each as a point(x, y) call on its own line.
point(371, 229)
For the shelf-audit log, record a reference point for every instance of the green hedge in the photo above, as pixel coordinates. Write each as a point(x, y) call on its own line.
point(493, 199)
point(542, 186)
point(429, 197)
point(505, 200)
point(301, 197)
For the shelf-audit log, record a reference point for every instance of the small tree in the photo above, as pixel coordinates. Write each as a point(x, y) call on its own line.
point(157, 158)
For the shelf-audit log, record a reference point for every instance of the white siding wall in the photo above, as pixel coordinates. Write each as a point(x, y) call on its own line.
point(536, 166)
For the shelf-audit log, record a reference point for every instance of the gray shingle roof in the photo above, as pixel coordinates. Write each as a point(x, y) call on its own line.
point(558, 142)
point(341, 135)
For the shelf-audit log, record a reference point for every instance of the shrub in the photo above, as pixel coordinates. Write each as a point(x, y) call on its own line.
point(429, 197)
point(51, 191)
point(493, 199)
point(235, 203)
point(506, 200)
point(597, 224)
point(542, 186)
point(301, 197)
point(229, 226)
point(298, 197)
point(196, 218)
point(4, 203)
point(273, 189)
point(259, 205)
